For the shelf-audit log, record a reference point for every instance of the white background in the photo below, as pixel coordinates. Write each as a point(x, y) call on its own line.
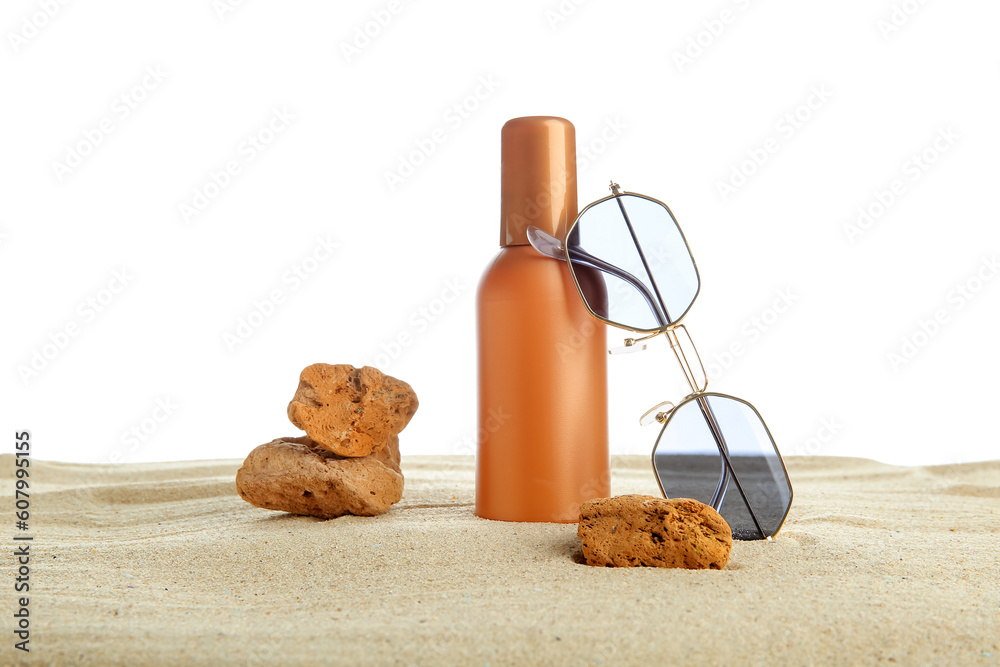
point(667, 98)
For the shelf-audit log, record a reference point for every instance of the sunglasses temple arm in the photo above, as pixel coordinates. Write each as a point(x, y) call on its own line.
point(585, 258)
point(550, 246)
point(706, 411)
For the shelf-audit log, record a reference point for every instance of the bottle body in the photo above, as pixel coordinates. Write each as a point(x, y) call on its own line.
point(543, 428)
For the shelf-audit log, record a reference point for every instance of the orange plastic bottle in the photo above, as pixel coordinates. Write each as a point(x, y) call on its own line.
point(543, 424)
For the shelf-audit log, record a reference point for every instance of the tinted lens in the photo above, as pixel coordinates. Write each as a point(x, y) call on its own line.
point(688, 463)
point(631, 263)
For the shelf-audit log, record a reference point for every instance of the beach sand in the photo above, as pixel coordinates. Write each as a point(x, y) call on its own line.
point(164, 564)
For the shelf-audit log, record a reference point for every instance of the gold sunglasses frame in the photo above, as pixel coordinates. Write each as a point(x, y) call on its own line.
point(699, 389)
point(616, 194)
point(705, 394)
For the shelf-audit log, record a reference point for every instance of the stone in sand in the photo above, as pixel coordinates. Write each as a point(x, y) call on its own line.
point(296, 475)
point(645, 531)
point(350, 411)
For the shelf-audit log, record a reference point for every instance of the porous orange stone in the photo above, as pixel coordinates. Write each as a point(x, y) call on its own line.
point(350, 411)
point(645, 531)
point(298, 476)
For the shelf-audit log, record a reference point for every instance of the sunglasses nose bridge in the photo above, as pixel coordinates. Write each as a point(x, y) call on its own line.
point(693, 368)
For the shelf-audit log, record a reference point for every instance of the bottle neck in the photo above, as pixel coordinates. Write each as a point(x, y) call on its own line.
point(538, 177)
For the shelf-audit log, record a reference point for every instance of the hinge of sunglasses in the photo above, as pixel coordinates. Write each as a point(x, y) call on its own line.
point(655, 414)
point(630, 345)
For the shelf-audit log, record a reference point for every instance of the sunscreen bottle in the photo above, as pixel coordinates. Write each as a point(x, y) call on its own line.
point(543, 425)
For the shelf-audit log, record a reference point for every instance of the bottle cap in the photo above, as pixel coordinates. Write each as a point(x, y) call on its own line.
point(537, 177)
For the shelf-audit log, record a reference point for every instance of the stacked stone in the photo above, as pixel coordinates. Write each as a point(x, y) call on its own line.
point(348, 461)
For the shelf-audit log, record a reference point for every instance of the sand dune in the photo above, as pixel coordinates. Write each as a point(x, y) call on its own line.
point(165, 564)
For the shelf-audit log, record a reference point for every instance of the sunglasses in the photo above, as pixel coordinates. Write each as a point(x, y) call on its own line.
point(634, 270)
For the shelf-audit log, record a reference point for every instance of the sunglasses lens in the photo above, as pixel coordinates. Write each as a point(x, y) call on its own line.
point(688, 464)
point(631, 263)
